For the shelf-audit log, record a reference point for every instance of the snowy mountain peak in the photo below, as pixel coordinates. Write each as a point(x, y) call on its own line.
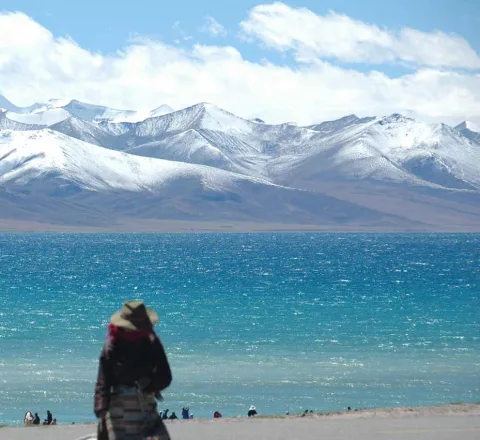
point(94, 113)
point(349, 119)
point(395, 118)
point(467, 125)
point(338, 124)
point(162, 110)
point(204, 104)
point(56, 102)
point(88, 112)
point(199, 116)
point(203, 158)
point(469, 130)
point(55, 110)
point(7, 105)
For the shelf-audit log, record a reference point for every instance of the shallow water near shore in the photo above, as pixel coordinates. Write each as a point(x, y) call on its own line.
point(281, 321)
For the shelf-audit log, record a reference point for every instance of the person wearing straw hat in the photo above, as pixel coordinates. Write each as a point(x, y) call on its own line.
point(133, 370)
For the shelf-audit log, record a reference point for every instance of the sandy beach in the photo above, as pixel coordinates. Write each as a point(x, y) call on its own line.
point(427, 423)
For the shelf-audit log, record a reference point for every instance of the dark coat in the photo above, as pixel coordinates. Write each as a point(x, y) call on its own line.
point(127, 363)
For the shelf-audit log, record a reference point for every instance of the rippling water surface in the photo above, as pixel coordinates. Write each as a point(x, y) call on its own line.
point(282, 321)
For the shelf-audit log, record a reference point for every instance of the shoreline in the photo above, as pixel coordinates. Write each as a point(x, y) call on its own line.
point(447, 409)
point(450, 421)
point(182, 226)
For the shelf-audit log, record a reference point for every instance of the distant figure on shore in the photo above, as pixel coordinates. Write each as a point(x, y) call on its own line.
point(173, 416)
point(252, 411)
point(165, 414)
point(36, 420)
point(49, 418)
point(185, 413)
point(217, 415)
point(54, 422)
point(133, 370)
point(28, 418)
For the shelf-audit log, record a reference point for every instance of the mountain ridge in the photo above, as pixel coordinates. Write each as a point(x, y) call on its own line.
point(348, 172)
point(57, 110)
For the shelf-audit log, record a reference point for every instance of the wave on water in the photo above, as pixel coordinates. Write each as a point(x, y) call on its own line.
point(281, 321)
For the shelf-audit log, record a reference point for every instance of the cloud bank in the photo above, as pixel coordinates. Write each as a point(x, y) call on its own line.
point(310, 37)
point(443, 86)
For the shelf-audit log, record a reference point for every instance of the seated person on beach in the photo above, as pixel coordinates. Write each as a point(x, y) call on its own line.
point(28, 418)
point(216, 415)
point(173, 416)
point(36, 420)
point(165, 414)
point(54, 422)
point(49, 419)
point(133, 370)
point(252, 411)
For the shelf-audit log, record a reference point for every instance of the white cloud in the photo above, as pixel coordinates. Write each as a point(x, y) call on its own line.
point(36, 66)
point(311, 37)
point(213, 27)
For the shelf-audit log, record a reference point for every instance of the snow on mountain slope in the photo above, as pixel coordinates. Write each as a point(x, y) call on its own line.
point(246, 144)
point(46, 118)
point(57, 110)
point(206, 147)
point(435, 153)
point(469, 130)
point(467, 125)
point(159, 111)
point(140, 115)
point(189, 146)
point(91, 112)
point(200, 116)
point(87, 112)
point(8, 124)
point(5, 104)
point(89, 132)
point(392, 148)
point(38, 107)
point(29, 155)
point(328, 127)
point(277, 140)
point(44, 169)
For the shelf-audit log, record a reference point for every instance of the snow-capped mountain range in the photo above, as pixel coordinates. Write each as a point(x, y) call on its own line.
point(71, 163)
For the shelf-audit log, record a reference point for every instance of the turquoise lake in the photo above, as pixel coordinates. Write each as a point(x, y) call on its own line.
point(279, 321)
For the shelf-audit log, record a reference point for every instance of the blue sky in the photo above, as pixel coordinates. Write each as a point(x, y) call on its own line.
point(102, 25)
point(418, 57)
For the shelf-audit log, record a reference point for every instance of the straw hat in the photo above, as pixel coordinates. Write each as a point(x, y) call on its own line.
point(134, 316)
point(252, 408)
